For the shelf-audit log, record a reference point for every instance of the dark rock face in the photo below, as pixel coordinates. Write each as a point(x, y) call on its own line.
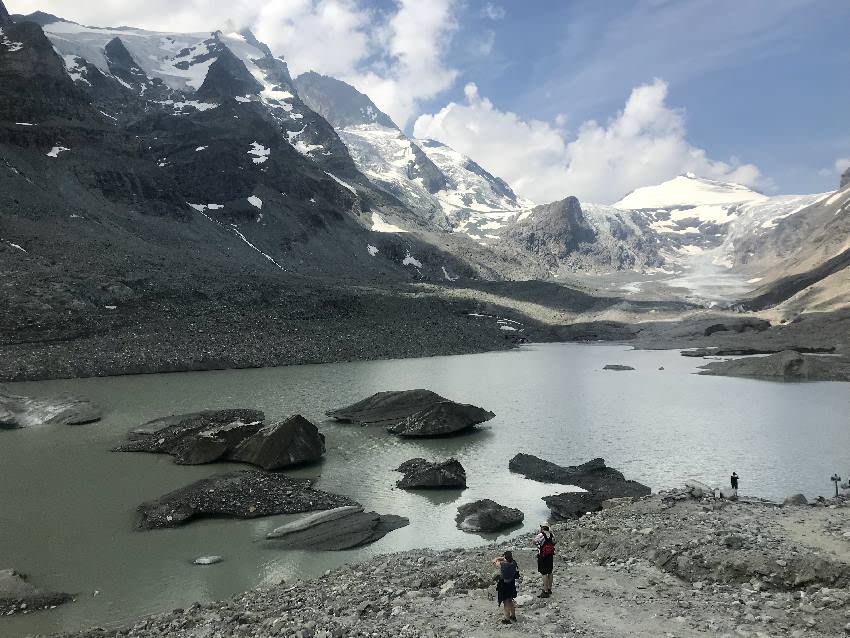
point(413, 413)
point(554, 230)
point(227, 77)
point(845, 179)
point(16, 594)
point(338, 102)
point(245, 494)
point(5, 19)
point(336, 529)
point(487, 516)
point(571, 505)
point(593, 476)
point(422, 474)
point(21, 412)
point(617, 367)
point(292, 442)
point(783, 366)
point(738, 325)
point(122, 65)
point(200, 437)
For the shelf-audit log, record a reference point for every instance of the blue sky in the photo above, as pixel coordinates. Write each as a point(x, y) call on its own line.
point(561, 97)
point(763, 81)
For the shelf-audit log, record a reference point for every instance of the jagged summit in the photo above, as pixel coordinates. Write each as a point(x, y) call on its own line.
point(5, 18)
point(687, 190)
point(338, 102)
point(228, 77)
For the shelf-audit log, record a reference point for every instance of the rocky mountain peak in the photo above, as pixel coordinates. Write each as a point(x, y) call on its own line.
point(845, 178)
point(338, 102)
point(121, 63)
point(4, 15)
point(228, 77)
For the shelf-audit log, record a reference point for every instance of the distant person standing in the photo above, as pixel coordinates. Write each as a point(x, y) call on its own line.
point(506, 585)
point(545, 542)
point(733, 480)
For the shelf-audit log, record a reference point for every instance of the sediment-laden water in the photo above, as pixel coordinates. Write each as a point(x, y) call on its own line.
point(67, 503)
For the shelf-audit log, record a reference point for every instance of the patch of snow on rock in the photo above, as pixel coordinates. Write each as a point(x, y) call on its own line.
point(372, 250)
point(341, 182)
point(410, 260)
point(259, 152)
point(12, 47)
point(255, 201)
point(380, 226)
point(54, 152)
point(201, 148)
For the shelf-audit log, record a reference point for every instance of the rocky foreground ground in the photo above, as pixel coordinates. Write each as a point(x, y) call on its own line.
point(663, 565)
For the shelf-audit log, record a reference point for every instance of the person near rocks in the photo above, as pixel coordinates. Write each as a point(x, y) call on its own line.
point(545, 542)
point(733, 480)
point(506, 585)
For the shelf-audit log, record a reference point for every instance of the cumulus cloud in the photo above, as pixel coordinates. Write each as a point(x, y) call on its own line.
point(838, 167)
point(643, 144)
point(396, 56)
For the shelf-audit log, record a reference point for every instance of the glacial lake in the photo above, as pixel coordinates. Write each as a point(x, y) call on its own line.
point(67, 503)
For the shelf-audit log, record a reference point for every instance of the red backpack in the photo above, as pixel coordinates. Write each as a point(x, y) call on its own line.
point(548, 547)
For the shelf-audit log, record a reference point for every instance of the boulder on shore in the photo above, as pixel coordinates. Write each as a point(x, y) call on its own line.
point(487, 516)
point(17, 595)
point(593, 476)
point(21, 412)
point(795, 499)
point(571, 505)
point(617, 367)
point(422, 474)
point(788, 365)
point(412, 413)
point(336, 529)
point(274, 447)
point(243, 494)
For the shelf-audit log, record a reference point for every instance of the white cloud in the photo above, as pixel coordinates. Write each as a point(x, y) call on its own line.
point(493, 11)
point(643, 144)
point(397, 57)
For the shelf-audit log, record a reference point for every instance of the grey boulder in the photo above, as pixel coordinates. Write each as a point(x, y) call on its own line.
point(571, 505)
point(788, 365)
point(487, 516)
point(195, 438)
point(21, 412)
point(412, 413)
point(593, 476)
point(245, 494)
point(795, 499)
point(336, 529)
point(292, 442)
point(422, 474)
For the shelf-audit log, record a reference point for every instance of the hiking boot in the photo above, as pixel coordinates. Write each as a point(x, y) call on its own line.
point(506, 621)
point(544, 594)
point(513, 618)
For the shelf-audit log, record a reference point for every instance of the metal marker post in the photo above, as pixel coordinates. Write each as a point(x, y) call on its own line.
point(835, 479)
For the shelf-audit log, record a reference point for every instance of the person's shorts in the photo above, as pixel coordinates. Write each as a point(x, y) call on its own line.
point(545, 564)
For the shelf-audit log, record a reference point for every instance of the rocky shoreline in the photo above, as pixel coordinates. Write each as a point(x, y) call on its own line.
point(669, 564)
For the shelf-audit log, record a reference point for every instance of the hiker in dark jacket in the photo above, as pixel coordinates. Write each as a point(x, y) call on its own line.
point(545, 542)
point(506, 585)
point(733, 481)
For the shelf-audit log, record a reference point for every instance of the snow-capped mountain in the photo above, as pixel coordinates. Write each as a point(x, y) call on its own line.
point(429, 177)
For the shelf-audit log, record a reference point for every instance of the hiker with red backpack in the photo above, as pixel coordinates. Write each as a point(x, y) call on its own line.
point(545, 542)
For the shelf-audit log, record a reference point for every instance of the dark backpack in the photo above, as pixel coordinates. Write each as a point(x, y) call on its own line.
point(547, 549)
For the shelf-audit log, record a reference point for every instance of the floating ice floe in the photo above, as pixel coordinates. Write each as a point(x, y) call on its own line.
point(260, 153)
point(372, 250)
point(54, 152)
point(255, 201)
